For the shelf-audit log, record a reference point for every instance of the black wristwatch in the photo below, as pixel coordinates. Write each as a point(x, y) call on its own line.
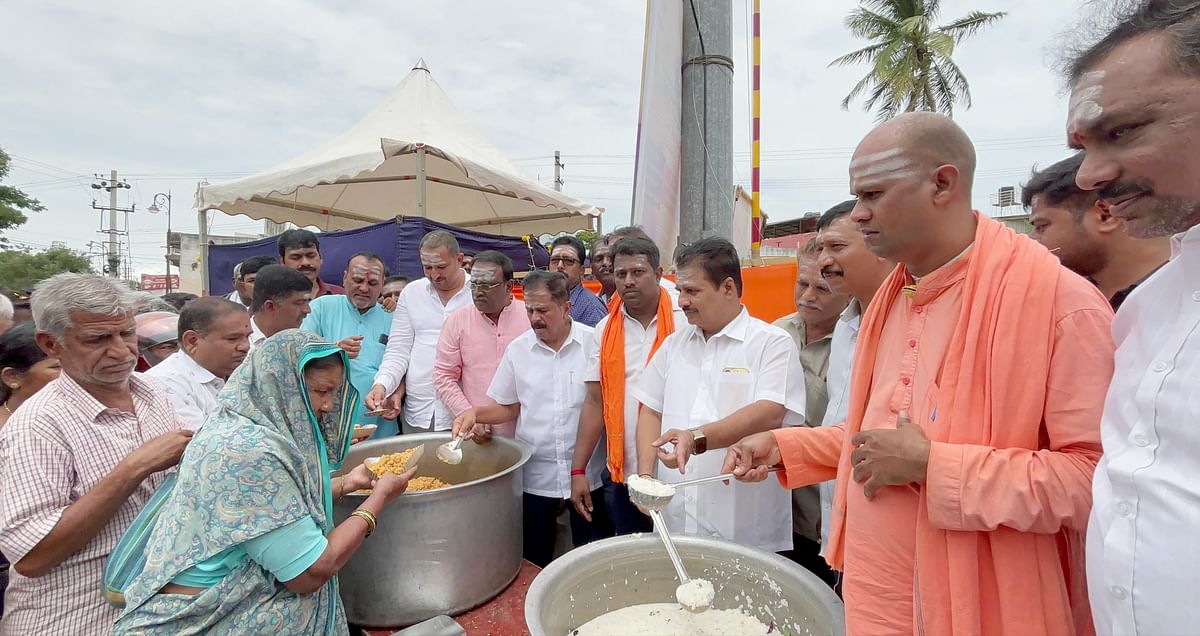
point(700, 442)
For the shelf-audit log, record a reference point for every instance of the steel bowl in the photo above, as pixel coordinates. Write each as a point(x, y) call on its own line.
point(440, 551)
point(614, 573)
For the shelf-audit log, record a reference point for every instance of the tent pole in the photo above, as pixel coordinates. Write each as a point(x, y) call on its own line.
point(421, 181)
point(203, 220)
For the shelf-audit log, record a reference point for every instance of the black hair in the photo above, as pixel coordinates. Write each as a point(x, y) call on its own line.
point(628, 231)
point(253, 264)
point(19, 350)
point(1180, 19)
point(553, 282)
point(440, 238)
point(636, 247)
point(718, 257)
point(276, 282)
point(371, 256)
point(1056, 185)
point(296, 240)
point(496, 258)
point(201, 314)
point(835, 213)
point(575, 244)
point(179, 299)
point(396, 279)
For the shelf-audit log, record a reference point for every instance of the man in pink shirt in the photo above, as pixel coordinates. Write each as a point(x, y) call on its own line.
point(964, 466)
point(473, 339)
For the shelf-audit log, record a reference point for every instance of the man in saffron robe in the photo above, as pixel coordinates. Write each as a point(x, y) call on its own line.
point(964, 467)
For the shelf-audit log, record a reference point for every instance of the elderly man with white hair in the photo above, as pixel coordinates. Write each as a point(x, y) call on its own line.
point(79, 459)
point(6, 313)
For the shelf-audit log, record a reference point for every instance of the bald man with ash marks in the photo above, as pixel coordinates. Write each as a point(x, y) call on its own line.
point(964, 466)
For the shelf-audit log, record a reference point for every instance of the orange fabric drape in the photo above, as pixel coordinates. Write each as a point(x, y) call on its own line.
point(612, 375)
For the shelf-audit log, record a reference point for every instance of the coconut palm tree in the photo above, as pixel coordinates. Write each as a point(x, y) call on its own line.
point(910, 56)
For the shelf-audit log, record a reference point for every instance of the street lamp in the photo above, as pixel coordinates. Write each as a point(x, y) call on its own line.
point(160, 199)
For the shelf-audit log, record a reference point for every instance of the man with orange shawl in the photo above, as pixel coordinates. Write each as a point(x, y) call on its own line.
point(640, 317)
point(964, 468)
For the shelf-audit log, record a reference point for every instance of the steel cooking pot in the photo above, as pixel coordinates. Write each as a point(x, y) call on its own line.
point(441, 551)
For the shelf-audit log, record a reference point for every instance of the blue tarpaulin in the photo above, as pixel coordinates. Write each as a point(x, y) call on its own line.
point(395, 241)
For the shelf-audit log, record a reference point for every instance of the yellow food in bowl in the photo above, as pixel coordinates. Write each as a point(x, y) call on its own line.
point(392, 462)
point(425, 483)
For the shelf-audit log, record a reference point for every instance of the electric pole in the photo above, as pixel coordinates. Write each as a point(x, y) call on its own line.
point(112, 252)
point(558, 166)
point(706, 175)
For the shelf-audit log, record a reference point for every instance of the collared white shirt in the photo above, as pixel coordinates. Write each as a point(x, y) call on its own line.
point(638, 340)
point(1142, 550)
point(234, 296)
point(549, 386)
point(412, 349)
point(747, 361)
point(256, 334)
point(191, 388)
point(841, 361)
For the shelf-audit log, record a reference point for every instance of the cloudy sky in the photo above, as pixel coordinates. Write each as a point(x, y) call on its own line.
point(172, 93)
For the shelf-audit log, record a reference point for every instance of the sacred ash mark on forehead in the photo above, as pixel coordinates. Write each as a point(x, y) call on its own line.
point(358, 269)
point(484, 275)
point(881, 167)
point(1083, 111)
point(433, 259)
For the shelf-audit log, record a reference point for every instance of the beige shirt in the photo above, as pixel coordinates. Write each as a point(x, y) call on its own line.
point(54, 449)
point(814, 357)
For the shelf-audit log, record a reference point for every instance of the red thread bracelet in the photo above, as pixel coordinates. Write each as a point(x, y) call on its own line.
point(578, 471)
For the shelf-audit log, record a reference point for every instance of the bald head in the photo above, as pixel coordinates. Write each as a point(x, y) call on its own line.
point(913, 145)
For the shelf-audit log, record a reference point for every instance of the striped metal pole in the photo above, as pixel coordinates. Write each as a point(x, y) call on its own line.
point(755, 149)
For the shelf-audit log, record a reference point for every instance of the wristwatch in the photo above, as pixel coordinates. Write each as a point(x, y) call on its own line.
point(699, 442)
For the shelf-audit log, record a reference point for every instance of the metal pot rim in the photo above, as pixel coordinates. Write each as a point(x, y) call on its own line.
point(442, 437)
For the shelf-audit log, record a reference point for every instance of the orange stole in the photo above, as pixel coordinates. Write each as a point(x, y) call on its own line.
point(612, 375)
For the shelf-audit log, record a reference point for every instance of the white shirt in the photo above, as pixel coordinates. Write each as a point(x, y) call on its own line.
point(638, 340)
point(234, 296)
point(256, 334)
point(837, 379)
point(747, 361)
point(191, 388)
point(412, 348)
point(550, 389)
point(1142, 550)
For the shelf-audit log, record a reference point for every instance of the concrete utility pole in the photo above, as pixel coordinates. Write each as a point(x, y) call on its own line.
point(706, 179)
point(112, 251)
point(558, 166)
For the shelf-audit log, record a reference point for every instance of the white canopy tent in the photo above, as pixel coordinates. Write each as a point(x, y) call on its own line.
point(413, 155)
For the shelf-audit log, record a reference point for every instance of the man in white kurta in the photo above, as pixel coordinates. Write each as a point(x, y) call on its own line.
point(723, 375)
point(1133, 112)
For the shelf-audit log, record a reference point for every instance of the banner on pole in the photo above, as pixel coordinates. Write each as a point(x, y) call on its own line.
point(158, 282)
point(658, 154)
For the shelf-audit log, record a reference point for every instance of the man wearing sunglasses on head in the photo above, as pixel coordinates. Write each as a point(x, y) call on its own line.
point(567, 254)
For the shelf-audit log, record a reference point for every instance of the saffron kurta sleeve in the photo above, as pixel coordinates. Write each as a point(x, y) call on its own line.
point(810, 455)
point(980, 488)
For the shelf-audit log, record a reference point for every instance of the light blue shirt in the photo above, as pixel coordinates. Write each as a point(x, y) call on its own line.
point(334, 318)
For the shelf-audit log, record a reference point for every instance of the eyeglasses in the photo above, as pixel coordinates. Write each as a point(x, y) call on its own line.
point(484, 286)
point(565, 261)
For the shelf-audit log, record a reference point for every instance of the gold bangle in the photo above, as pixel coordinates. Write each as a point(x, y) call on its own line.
point(366, 516)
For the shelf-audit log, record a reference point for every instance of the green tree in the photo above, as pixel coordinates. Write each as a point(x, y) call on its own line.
point(13, 202)
point(588, 237)
point(912, 67)
point(21, 269)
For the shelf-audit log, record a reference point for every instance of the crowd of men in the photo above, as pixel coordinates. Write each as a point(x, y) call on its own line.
point(973, 443)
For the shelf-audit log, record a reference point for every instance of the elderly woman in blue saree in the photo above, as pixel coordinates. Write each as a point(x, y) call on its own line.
point(245, 543)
